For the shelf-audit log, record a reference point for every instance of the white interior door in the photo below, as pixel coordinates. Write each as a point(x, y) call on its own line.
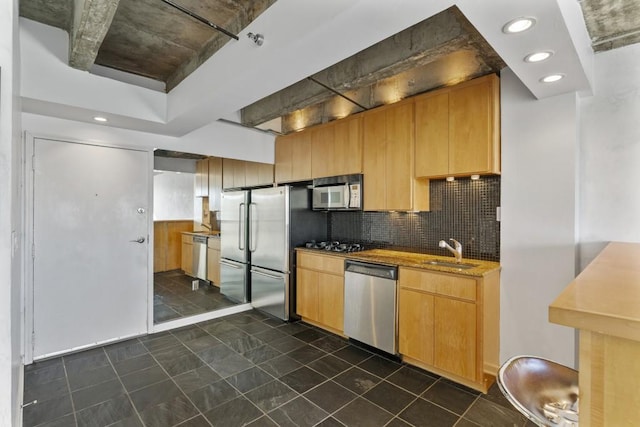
point(91, 204)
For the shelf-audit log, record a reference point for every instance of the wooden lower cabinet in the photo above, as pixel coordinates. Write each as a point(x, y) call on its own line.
point(167, 241)
point(449, 325)
point(416, 318)
point(320, 290)
point(213, 260)
point(307, 293)
point(187, 254)
point(454, 337)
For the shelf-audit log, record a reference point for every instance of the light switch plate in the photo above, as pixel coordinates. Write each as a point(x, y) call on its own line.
point(498, 214)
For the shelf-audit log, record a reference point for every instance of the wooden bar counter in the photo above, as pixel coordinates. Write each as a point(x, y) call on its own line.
point(603, 303)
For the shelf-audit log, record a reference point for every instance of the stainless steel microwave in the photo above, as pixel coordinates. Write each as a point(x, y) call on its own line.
point(338, 193)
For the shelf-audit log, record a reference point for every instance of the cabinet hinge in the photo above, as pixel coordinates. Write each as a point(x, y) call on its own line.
point(33, 250)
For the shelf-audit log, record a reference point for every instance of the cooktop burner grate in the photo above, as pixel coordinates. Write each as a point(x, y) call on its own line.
point(335, 246)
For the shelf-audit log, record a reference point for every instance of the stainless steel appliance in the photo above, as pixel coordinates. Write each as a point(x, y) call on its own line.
point(338, 193)
point(200, 257)
point(234, 253)
point(280, 219)
point(370, 304)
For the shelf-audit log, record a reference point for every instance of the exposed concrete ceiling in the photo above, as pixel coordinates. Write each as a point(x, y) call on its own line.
point(147, 38)
point(442, 50)
point(303, 39)
point(612, 23)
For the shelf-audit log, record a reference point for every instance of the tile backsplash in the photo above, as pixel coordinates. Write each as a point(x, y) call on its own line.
point(463, 209)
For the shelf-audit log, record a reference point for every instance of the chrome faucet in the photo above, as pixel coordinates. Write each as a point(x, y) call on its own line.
point(457, 252)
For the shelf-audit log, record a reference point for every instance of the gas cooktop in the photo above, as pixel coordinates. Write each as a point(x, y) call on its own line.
point(335, 246)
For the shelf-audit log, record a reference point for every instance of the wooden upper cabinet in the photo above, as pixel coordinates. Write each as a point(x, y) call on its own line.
point(239, 173)
point(387, 161)
point(215, 183)
point(474, 144)
point(336, 147)
point(458, 130)
point(330, 149)
point(399, 157)
point(202, 178)
point(322, 150)
point(374, 156)
point(257, 173)
point(228, 173)
point(283, 153)
point(265, 173)
point(347, 145)
point(432, 134)
point(293, 157)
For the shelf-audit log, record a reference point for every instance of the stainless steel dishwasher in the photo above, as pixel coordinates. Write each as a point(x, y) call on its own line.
point(200, 257)
point(370, 304)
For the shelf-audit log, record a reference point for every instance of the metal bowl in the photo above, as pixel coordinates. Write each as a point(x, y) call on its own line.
point(542, 390)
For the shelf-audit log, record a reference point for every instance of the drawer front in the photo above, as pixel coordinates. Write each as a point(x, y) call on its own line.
point(441, 284)
point(213, 243)
point(326, 264)
point(187, 238)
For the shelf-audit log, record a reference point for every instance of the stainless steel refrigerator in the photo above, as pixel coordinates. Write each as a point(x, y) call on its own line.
point(280, 219)
point(234, 253)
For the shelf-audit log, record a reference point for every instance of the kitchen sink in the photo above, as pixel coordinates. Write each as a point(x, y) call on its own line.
point(460, 266)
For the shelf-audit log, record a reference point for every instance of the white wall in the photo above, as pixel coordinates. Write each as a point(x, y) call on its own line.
point(216, 139)
point(10, 218)
point(610, 154)
point(539, 143)
point(173, 195)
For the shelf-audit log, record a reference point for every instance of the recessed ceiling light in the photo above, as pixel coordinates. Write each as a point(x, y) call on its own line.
point(518, 25)
point(475, 177)
point(552, 78)
point(100, 119)
point(538, 56)
point(450, 178)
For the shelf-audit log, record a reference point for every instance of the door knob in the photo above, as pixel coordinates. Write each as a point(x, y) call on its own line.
point(138, 240)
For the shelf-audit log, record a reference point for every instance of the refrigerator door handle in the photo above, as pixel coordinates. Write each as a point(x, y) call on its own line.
point(228, 264)
point(241, 229)
point(252, 226)
point(262, 273)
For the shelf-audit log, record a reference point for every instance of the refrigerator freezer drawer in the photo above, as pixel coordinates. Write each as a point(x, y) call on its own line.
point(233, 280)
point(270, 292)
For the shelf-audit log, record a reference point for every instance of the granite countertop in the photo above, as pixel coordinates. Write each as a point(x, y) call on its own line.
point(415, 260)
point(213, 233)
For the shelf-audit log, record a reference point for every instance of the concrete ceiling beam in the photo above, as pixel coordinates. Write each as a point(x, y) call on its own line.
point(244, 15)
point(91, 21)
point(419, 44)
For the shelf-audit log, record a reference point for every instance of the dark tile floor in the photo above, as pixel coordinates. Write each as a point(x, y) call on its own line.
point(248, 369)
point(173, 297)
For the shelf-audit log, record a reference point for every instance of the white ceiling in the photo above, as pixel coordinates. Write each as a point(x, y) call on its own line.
point(301, 38)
